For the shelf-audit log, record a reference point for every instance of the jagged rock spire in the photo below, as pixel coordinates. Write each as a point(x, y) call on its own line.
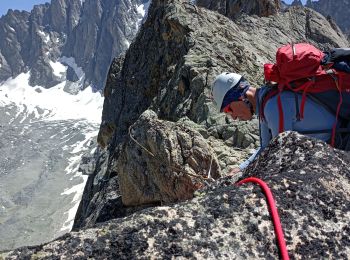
point(234, 8)
point(297, 3)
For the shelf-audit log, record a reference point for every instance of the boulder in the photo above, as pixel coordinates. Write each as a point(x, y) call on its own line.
point(163, 162)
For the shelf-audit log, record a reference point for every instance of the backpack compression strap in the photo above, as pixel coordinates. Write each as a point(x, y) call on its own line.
point(337, 81)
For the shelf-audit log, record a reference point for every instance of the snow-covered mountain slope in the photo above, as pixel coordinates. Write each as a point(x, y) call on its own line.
point(43, 134)
point(35, 103)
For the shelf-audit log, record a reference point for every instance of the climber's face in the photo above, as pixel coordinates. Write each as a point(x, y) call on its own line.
point(238, 110)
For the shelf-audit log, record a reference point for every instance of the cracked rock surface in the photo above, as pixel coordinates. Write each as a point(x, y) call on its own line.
point(166, 165)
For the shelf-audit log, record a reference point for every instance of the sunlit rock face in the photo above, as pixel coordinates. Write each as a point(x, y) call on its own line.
point(335, 11)
point(172, 166)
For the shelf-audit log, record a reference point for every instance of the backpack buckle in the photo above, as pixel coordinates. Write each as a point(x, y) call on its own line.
point(330, 71)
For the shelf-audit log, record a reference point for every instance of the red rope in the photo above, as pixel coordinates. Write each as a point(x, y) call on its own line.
point(274, 214)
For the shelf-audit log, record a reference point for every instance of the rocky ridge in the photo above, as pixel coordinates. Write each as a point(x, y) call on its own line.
point(235, 8)
point(187, 46)
point(169, 69)
point(174, 77)
point(334, 10)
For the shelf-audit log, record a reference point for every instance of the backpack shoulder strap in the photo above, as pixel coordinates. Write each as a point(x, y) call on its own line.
point(266, 92)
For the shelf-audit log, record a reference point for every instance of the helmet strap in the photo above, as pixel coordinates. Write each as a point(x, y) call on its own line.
point(249, 104)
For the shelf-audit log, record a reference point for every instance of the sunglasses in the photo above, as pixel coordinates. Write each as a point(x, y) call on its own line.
point(227, 109)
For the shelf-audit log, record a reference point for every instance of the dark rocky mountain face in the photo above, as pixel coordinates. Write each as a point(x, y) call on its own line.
point(92, 33)
point(297, 3)
point(106, 30)
point(338, 10)
point(334, 10)
point(234, 8)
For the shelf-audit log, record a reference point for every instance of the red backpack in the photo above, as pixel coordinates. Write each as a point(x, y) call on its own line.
point(299, 68)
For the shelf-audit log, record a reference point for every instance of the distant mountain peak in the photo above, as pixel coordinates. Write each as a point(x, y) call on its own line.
point(92, 32)
point(297, 3)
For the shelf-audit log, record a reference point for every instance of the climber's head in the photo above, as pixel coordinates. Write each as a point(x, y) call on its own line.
point(229, 94)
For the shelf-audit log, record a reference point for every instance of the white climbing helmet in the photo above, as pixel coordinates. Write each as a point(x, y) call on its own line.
point(222, 84)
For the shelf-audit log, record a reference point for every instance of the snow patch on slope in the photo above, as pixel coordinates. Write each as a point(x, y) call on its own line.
point(53, 103)
point(77, 191)
point(58, 68)
point(142, 10)
point(44, 36)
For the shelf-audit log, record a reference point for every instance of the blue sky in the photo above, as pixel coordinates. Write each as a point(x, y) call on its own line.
point(19, 5)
